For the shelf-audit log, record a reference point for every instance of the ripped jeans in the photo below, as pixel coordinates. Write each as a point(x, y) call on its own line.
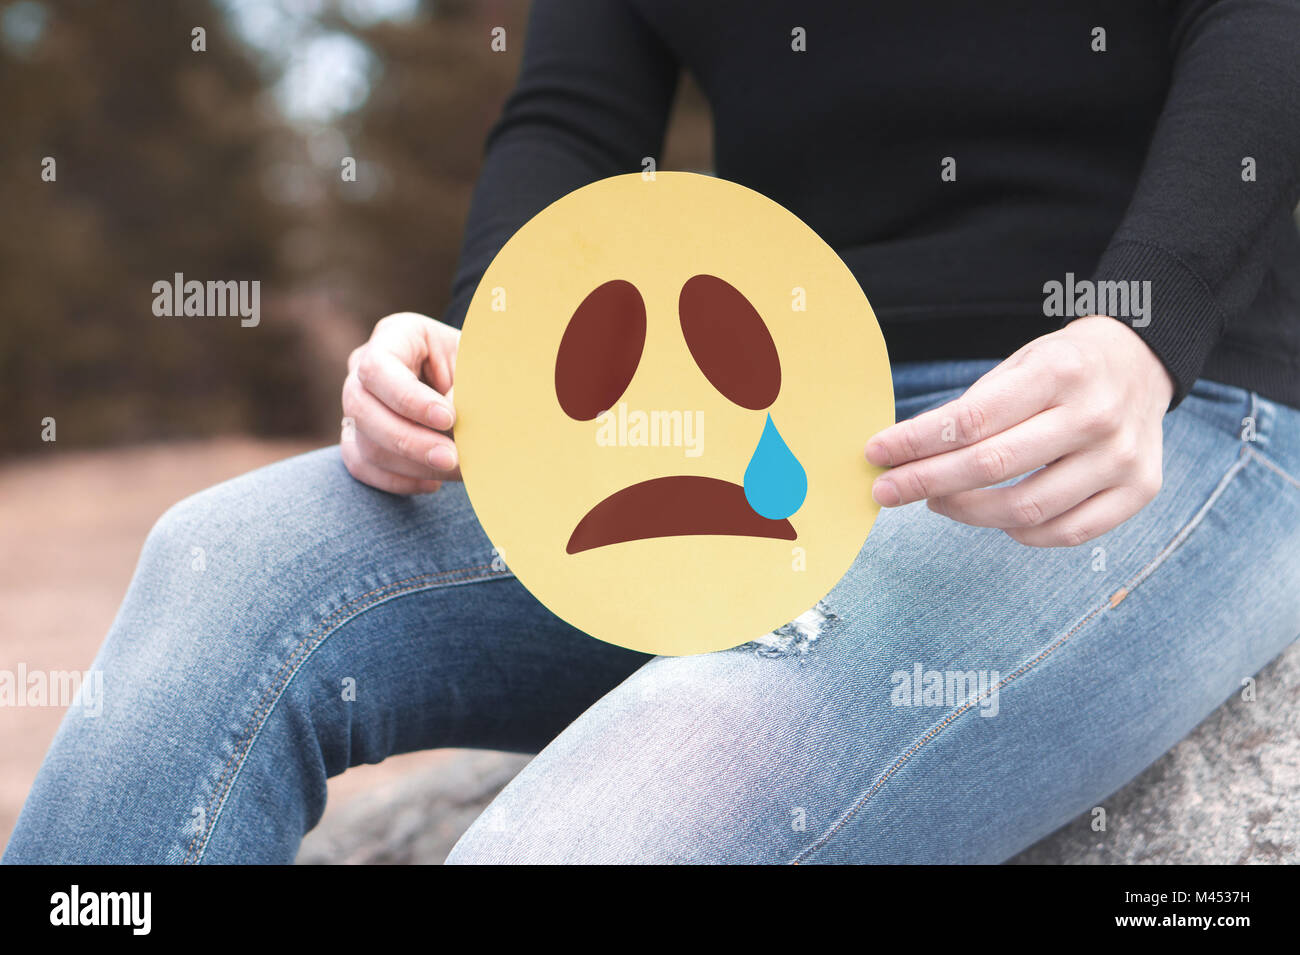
point(956, 697)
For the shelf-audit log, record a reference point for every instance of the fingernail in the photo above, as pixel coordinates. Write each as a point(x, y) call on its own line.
point(885, 493)
point(878, 454)
point(440, 417)
point(442, 458)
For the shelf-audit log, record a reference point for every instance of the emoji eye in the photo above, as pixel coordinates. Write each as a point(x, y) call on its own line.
point(600, 350)
point(729, 342)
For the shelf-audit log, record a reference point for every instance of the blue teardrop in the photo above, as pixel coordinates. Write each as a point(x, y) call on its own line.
point(775, 482)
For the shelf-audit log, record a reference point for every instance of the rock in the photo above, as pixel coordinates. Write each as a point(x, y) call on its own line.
point(1226, 794)
point(414, 820)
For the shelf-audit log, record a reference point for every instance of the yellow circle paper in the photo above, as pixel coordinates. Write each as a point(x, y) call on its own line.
point(640, 366)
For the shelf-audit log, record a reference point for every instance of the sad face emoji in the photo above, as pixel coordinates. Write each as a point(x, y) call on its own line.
point(662, 393)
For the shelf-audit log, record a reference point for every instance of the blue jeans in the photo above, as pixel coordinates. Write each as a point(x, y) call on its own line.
point(956, 697)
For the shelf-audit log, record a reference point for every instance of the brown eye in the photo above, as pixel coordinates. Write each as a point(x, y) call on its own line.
point(729, 342)
point(600, 350)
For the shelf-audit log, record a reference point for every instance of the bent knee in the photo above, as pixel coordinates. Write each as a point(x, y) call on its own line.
point(250, 524)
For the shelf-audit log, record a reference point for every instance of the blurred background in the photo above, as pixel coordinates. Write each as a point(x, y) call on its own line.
point(222, 164)
point(226, 164)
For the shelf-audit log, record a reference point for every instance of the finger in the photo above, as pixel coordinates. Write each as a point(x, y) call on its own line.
point(442, 343)
point(1041, 496)
point(367, 473)
point(1081, 523)
point(1040, 440)
point(386, 460)
point(420, 343)
point(398, 435)
point(386, 377)
point(1003, 398)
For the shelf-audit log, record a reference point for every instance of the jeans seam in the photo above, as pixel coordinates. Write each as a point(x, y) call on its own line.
point(1274, 467)
point(1260, 456)
point(1154, 564)
point(1110, 604)
point(267, 702)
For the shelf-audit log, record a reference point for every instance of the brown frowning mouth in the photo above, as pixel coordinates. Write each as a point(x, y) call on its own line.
point(675, 506)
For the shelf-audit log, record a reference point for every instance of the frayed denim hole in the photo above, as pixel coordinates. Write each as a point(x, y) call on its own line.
point(796, 638)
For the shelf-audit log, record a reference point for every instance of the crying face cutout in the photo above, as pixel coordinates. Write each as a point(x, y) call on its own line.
point(663, 392)
point(729, 342)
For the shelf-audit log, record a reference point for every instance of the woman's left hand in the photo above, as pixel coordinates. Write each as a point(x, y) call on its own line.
point(1081, 408)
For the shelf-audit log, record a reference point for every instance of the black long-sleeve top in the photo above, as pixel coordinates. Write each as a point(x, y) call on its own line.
point(1164, 149)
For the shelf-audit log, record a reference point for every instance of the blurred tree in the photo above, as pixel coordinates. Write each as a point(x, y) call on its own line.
point(158, 152)
point(419, 137)
point(171, 160)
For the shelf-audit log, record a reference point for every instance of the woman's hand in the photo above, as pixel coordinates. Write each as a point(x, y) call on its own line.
point(1083, 404)
point(396, 427)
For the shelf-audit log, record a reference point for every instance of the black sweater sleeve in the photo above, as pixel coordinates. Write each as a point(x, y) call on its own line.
point(1195, 228)
point(592, 100)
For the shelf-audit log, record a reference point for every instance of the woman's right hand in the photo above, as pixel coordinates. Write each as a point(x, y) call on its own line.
point(397, 406)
